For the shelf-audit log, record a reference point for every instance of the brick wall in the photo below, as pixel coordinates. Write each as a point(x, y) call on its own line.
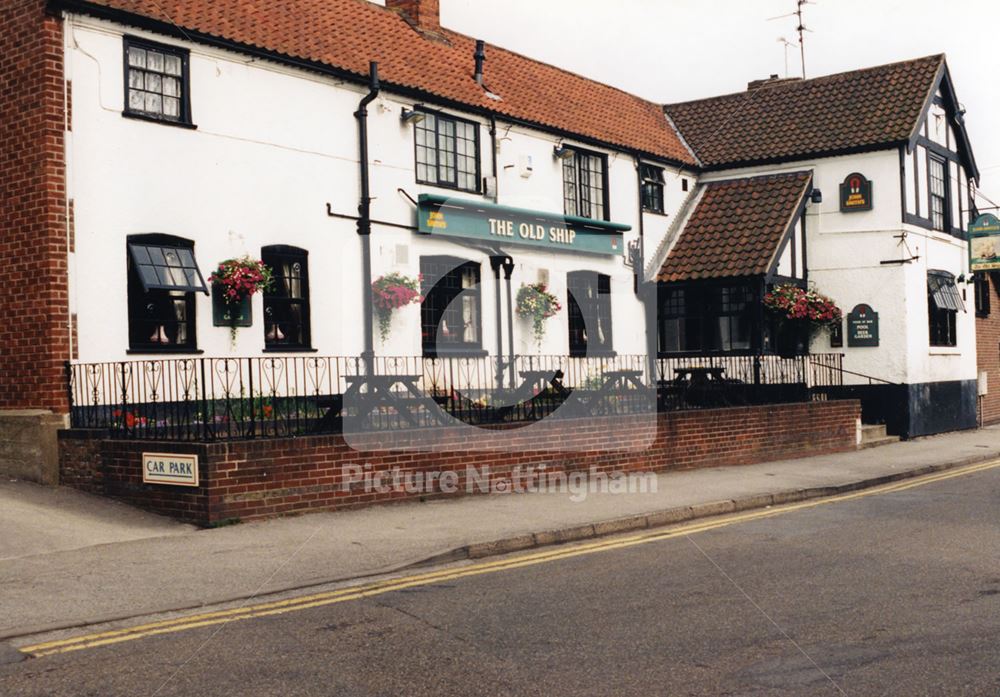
point(34, 334)
point(988, 355)
point(268, 477)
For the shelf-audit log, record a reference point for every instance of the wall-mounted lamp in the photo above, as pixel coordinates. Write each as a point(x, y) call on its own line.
point(561, 152)
point(816, 196)
point(409, 116)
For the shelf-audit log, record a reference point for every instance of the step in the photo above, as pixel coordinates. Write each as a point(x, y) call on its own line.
point(873, 435)
point(872, 432)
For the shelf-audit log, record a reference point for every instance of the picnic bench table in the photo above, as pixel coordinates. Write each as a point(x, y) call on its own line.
point(615, 383)
point(702, 386)
point(534, 384)
point(381, 393)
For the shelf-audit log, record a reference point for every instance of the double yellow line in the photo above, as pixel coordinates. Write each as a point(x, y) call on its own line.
point(280, 607)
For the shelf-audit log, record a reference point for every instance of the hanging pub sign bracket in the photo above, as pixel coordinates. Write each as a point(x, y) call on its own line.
point(855, 193)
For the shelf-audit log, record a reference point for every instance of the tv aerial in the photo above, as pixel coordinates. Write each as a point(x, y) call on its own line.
point(801, 29)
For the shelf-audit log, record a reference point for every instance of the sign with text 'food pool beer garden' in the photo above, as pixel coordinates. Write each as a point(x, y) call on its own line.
point(862, 326)
point(984, 243)
point(487, 222)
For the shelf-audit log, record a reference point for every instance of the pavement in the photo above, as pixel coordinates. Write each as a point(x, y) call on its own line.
point(70, 560)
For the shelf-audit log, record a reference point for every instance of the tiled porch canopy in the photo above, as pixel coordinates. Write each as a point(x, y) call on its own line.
point(737, 228)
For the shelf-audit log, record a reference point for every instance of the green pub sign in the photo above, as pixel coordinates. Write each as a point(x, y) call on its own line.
point(862, 326)
point(984, 243)
point(443, 216)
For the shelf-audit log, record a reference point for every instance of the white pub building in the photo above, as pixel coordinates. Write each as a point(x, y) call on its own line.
point(197, 132)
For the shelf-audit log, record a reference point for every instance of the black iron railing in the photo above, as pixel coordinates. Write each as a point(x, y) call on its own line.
point(206, 399)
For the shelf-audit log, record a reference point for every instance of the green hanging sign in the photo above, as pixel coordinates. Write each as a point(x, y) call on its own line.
point(984, 243)
point(443, 216)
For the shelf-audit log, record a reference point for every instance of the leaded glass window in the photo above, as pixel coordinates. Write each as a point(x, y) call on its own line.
point(589, 313)
point(163, 278)
point(450, 312)
point(937, 169)
point(286, 302)
point(944, 302)
point(652, 188)
point(447, 152)
point(584, 191)
point(156, 81)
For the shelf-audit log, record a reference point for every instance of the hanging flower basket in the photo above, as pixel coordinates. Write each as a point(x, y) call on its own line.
point(536, 303)
point(796, 304)
point(240, 278)
point(235, 281)
point(391, 292)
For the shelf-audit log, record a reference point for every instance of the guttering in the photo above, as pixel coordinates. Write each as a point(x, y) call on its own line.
point(364, 216)
point(166, 29)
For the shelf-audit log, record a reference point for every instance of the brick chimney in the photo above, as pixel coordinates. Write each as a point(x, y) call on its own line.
point(424, 15)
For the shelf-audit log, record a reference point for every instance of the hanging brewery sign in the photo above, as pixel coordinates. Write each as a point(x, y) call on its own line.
point(984, 243)
point(862, 326)
point(856, 193)
point(443, 216)
point(170, 468)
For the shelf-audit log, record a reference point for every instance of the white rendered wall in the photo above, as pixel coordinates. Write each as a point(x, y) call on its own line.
point(272, 147)
point(844, 255)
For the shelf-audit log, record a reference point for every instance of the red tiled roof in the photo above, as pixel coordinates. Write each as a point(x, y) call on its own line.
point(736, 228)
point(347, 34)
point(796, 118)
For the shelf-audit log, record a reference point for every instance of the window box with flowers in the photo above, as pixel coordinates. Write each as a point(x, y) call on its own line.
point(234, 282)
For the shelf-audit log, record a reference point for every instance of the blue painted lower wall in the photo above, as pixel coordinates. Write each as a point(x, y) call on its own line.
point(921, 409)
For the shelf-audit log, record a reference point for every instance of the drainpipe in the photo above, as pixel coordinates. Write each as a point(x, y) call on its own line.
point(493, 150)
point(647, 292)
point(508, 271)
point(640, 264)
point(496, 261)
point(364, 217)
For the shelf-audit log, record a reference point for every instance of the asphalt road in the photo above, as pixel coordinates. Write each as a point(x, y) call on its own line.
point(886, 594)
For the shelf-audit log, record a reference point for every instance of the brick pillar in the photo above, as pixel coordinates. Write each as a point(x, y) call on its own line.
point(34, 289)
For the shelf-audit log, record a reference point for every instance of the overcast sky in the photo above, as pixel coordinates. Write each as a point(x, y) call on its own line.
point(673, 50)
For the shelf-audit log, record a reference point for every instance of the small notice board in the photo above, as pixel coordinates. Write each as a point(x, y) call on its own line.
point(170, 468)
